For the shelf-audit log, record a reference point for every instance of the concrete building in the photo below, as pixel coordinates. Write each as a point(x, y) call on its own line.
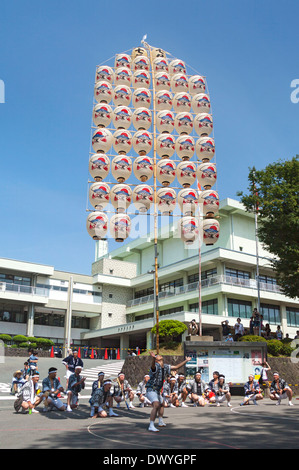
point(113, 307)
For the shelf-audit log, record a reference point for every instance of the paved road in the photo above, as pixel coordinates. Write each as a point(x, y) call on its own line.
point(265, 426)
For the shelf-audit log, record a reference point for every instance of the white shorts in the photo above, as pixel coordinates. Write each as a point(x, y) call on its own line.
point(220, 399)
point(152, 396)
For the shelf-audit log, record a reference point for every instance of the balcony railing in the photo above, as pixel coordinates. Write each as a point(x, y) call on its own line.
point(19, 289)
point(205, 283)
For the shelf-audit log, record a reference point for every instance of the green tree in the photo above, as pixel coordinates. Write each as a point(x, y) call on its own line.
point(170, 330)
point(273, 192)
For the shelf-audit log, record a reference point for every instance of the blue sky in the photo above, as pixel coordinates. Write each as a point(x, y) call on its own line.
point(248, 51)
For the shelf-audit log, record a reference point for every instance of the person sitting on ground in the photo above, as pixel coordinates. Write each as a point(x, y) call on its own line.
point(17, 382)
point(197, 389)
point(280, 390)
point(76, 383)
point(27, 399)
point(252, 391)
point(182, 390)
point(141, 392)
point(123, 391)
point(102, 400)
point(166, 392)
point(222, 391)
point(51, 388)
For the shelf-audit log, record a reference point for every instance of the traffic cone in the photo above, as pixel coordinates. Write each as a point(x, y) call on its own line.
point(118, 355)
point(79, 353)
point(138, 354)
point(92, 354)
point(106, 354)
point(52, 352)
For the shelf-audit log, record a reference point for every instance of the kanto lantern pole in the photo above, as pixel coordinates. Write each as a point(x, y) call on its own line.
point(156, 281)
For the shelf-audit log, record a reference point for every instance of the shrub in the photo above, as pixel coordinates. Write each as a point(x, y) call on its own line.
point(275, 347)
point(19, 339)
point(43, 343)
point(24, 345)
point(252, 338)
point(287, 348)
point(5, 337)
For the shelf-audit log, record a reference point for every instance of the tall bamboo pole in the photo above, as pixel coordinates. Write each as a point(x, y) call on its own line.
point(156, 281)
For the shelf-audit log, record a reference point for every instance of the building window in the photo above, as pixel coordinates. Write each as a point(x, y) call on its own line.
point(208, 307)
point(204, 275)
point(171, 285)
point(11, 314)
point(293, 316)
point(171, 310)
point(237, 273)
point(11, 279)
point(271, 314)
point(268, 279)
point(144, 292)
point(239, 308)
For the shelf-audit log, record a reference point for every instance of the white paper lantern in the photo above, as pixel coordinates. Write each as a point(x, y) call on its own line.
point(160, 64)
point(102, 140)
point(201, 103)
point(179, 83)
point(141, 79)
point(183, 123)
point(196, 84)
point(122, 60)
point(177, 66)
point(138, 51)
point(99, 195)
point(205, 148)
point(102, 115)
point(166, 171)
point(122, 95)
point(141, 63)
point(182, 102)
point(143, 197)
point(211, 231)
point(185, 147)
point(121, 197)
point(97, 225)
point(165, 121)
point(207, 175)
point(105, 73)
point(143, 168)
point(142, 97)
point(162, 81)
point(163, 100)
point(121, 168)
point(165, 145)
point(142, 141)
point(122, 141)
point(186, 173)
point(166, 198)
point(123, 76)
point(157, 52)
point(188, 229)
point(103, 92)
point(120, 227)
point(203, 124)
point(210, 202)
point(122, 117)
point(142, 118)
point(188, 201)
point(99, 165)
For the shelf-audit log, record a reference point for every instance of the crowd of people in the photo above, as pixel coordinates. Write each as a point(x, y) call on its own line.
point(162, 387)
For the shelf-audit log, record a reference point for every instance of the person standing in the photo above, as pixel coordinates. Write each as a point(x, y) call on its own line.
point(239, 330)
point(51, 388)
point(71, 362)
point(280, 390)
point(158, 373)
point(225, 329)
point(263, 381)
point(76, 383)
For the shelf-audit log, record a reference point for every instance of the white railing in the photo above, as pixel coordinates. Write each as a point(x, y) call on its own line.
point(19, 289)
point(205, 283)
